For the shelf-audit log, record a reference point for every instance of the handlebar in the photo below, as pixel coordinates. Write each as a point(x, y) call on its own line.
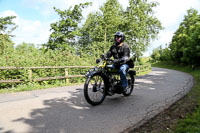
point(108, 59)
point(103, 58)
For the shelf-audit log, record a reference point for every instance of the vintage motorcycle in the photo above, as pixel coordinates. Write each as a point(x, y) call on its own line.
point(102, 78)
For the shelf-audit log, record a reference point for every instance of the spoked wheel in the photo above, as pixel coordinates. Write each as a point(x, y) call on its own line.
point(94, 90)
point(131, 80)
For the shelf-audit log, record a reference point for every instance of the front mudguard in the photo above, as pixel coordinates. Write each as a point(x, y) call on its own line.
point(91, 73)
point(94, 71)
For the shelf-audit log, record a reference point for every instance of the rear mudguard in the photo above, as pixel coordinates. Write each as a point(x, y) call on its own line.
point(132, 72)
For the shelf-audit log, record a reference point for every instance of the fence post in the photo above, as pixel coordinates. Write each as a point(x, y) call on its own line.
point(139, 69)
point(30, 73)
point(66, 75)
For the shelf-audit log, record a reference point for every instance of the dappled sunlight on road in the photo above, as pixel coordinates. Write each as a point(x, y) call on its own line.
point(151, 80)
point(73, 114)
point(158, 73)
point(65, 110)
point(147, 81)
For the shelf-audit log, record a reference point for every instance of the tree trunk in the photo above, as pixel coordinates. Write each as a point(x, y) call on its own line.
point(105, 38)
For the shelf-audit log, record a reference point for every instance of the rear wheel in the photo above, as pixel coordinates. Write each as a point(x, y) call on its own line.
point(131, 80)
point(94, 90)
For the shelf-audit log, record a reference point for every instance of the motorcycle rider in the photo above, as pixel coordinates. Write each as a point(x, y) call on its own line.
point(121, 53)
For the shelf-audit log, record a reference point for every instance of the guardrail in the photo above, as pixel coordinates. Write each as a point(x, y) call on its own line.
point(140, 68)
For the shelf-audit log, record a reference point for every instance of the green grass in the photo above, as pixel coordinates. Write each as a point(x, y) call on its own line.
point(37, 86)
point(191, 122)
point(143, 73)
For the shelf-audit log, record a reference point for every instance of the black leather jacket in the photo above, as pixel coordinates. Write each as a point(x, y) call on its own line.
point(120, 53)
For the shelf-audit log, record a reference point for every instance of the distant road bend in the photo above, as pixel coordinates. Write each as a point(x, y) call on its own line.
point(64, 109)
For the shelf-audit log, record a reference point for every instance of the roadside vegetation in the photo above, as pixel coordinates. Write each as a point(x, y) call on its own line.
point(183, 54)
point(72, 43)
point(183, 116)
point(184, 48)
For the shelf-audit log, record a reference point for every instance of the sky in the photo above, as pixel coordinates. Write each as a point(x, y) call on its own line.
point(34, 17)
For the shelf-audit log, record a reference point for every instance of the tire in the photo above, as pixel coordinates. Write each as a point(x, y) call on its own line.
point(95, 87)
point(131, 80)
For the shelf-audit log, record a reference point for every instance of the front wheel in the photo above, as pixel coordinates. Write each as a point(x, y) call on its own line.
point(94, 90)
point(131, 80)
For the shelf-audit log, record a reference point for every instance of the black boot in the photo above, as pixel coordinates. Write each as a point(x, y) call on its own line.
point(110, 91)
point(125, 89)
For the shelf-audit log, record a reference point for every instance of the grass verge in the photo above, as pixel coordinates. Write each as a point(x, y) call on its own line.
point(181, 117)
point(37, 86)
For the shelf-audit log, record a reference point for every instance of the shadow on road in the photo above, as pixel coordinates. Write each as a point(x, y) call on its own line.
point(1, 131)
point(67, 115)
point(73, 114)
point(149, 81)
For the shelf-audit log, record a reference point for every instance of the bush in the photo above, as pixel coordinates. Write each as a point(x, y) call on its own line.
point(26, 55)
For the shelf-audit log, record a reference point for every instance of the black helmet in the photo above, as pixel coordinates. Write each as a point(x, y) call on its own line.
point(119, 34)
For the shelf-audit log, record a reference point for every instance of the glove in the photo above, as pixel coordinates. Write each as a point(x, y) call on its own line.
point(98, 60)
point(102, 56)
point(116, 61)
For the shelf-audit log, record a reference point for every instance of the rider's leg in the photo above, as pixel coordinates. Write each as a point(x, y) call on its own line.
point(123, 71)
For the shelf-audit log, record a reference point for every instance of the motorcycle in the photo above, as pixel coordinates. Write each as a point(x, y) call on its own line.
point(102, 78)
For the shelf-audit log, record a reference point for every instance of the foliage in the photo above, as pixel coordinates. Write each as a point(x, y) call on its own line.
point(71, 44)
point(137, 22)
point(96, 35)
point(140, 25)
point(156, 54)
point(160, 54)
point(185, 45)
point(112, 19)
point(5, 22)
point(26, 55)
point(189, 122)
point(99, 28)
point(6, 27)
point(65, 31)
point(6, 44)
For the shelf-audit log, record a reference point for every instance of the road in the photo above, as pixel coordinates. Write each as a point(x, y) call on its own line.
point(64, 109)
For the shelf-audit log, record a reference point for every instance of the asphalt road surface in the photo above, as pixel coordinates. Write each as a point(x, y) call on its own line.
point(64, 109)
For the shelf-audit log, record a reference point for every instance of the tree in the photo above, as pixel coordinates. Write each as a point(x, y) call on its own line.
point(65, 31)
point(155, 55)
point(99, 28)
point(185, 46)
point(141, 25)
point(5, 22)
point(112, 15)
point(137, 22)
point(6, 27)
point(92, 30)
